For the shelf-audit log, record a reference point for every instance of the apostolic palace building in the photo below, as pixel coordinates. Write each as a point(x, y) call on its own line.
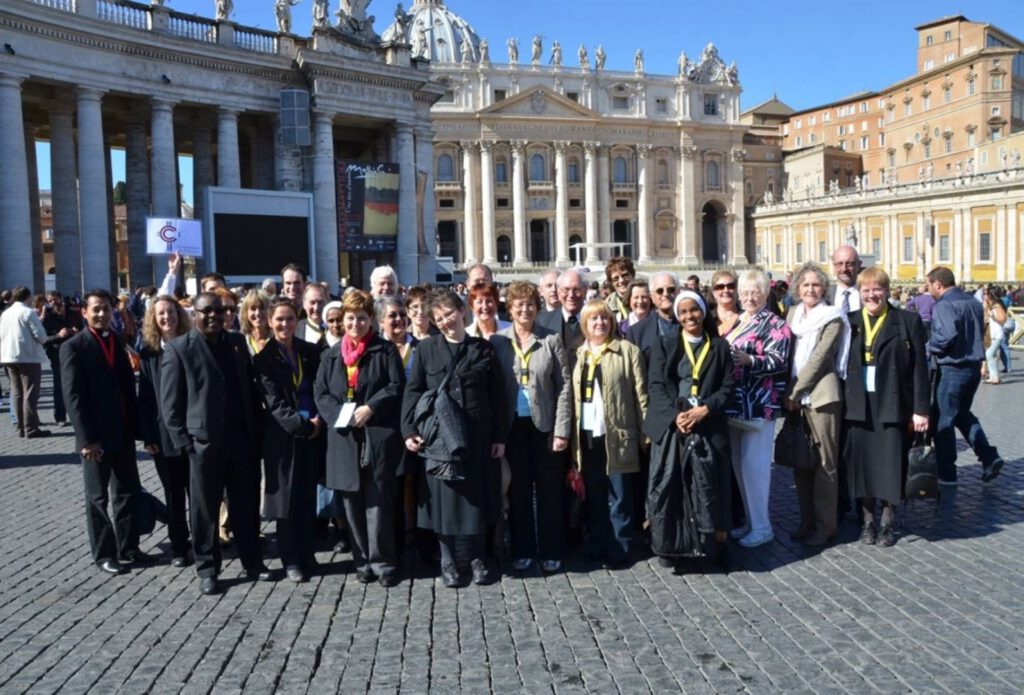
point(923, 172)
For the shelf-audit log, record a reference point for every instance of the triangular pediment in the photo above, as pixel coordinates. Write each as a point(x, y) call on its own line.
point(538, 102)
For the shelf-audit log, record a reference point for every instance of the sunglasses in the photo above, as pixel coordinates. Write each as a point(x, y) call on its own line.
point(725, 286)
point(665, 290)
point(211, 311)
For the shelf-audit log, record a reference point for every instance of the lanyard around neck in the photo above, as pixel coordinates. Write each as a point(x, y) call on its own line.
point(698, 362)
point(296, 367)
point(524, 361)
point(871, 331)
point(591, 367)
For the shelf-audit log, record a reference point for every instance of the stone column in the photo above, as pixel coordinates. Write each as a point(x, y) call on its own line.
point(425, 168)
point(15, 238)
point(469, 247)
point(687, 213)
point(1004, 271)
point(35, 227)
point(325, 205)
point(407, 255)
point(487, 201)
point(228, 168)
point(737, 231)
point(92, 191)
point(590, 191)
point(643, 204)
point(604, 197)
point(163, 165)
point(202, 177)
point(519, 254)
point(561, 205)
point(137, 199)
point(67, 248)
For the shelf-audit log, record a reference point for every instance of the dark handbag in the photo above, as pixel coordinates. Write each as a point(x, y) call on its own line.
point(438, 414)
point(795, 446)
point(148, 510)
point(922, 470)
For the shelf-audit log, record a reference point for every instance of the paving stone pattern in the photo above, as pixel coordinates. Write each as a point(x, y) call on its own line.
point(942, 611)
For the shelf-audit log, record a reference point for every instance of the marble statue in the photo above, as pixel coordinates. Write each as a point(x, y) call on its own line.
point(401, 21)
point(1004, 160)
point(513, 51)
point(959, 169)
point(970, 166)
point(584, 58)
point(422, 44)
point(283, 13)
point(600, 57)
point(352, 19)
point(537, 49)
point(156, 3)
point(769, 197)
point(1016, 159)
point(851, 236)
point(556, 54)
point(224, 9)
point(930, 171)
point(858, 184)
point(485, 52)
point(833, 187)
point(466, 48)
point(920, 173)
point(638, 61)
point(684, 64)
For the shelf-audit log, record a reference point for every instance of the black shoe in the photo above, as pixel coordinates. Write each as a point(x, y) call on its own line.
point(617, 563)
point(364, 575)
point(112, 567)
point(388, 580)
point(181, 561)
point(450, 576)
point(296, 575)
point(38, 434)
point(342, 546)
point(137, 557)
point(867, 533)
point(260, 572)
point(208, 586)
point(886, 537)
point(801, 533)
point(990, 471)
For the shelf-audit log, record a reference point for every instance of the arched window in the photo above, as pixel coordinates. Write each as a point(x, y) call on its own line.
point(712, 175)
point(663, 172)
point(619, 170)
point(445, 168)
point(537, 168)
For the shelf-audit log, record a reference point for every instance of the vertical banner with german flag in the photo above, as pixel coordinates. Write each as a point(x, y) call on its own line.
point(367, 206)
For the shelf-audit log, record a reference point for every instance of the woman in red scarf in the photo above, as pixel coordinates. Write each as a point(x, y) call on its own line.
point(358, 393)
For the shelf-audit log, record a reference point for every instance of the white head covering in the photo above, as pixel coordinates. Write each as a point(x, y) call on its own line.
point(331, 340)
point(689, 294)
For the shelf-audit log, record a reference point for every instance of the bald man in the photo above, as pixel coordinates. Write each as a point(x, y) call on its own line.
point(846, 266)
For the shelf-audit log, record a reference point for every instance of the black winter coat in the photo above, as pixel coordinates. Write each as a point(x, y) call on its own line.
point(292, 463)
point(151, 422)
point(901, 369)
point(380, 385)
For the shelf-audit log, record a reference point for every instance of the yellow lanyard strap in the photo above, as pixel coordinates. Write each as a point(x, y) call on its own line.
point(524, 361)
point(591, 370)
point(871, 331)
point(696, 363)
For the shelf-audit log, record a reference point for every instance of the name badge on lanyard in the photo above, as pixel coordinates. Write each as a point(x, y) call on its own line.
point(523, 402)
point(869, 378)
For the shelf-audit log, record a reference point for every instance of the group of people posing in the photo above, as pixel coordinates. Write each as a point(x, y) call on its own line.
point(513, 414)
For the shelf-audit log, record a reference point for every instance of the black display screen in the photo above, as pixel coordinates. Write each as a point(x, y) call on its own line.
point(259, 244)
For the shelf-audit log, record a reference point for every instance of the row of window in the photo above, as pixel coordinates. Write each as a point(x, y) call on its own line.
point(908, 251)
point(538, 170)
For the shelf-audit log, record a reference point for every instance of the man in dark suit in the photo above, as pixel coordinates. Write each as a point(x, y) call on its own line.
point(312, 328)
point(646, 333)
point(99, 394)
point(207, 393)
point(565, 320)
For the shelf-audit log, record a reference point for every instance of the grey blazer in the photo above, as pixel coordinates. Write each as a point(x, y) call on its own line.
point(549, 386)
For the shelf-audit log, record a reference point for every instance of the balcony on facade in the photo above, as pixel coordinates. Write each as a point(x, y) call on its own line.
point(447, 186)
point(624, 187)
point(540, 186)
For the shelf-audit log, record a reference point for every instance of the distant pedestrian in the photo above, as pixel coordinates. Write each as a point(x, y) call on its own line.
point(22, 352)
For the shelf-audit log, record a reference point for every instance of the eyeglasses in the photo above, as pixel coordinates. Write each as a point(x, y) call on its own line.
point(725, 286)
point(211, 311)
point(665, 290)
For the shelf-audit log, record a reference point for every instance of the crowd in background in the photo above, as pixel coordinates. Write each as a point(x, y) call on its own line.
point(478, 422)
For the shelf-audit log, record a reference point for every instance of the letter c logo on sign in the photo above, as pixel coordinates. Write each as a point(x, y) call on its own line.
point(169, 234)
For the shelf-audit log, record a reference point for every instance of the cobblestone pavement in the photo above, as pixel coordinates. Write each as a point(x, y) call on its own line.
point(941, 611)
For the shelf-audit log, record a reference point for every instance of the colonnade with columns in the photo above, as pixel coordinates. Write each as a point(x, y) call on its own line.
point(656, 174)
point(80, 125)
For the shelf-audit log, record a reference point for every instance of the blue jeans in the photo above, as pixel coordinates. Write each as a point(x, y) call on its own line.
point(609, 504)
point(952, 411)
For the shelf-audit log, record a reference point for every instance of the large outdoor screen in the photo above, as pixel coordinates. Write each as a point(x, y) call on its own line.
point(250, 245)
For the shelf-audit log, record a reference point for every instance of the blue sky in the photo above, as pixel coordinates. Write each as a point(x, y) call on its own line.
point(807, 53)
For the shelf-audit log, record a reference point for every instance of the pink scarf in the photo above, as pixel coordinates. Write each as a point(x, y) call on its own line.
point(351, 354)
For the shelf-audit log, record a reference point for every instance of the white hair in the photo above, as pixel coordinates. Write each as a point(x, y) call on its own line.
point(382, 271)
point(753, 277)
point(665, 273)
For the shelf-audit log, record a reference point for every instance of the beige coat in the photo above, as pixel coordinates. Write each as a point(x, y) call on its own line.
point(818, 378)
point(624, 396)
